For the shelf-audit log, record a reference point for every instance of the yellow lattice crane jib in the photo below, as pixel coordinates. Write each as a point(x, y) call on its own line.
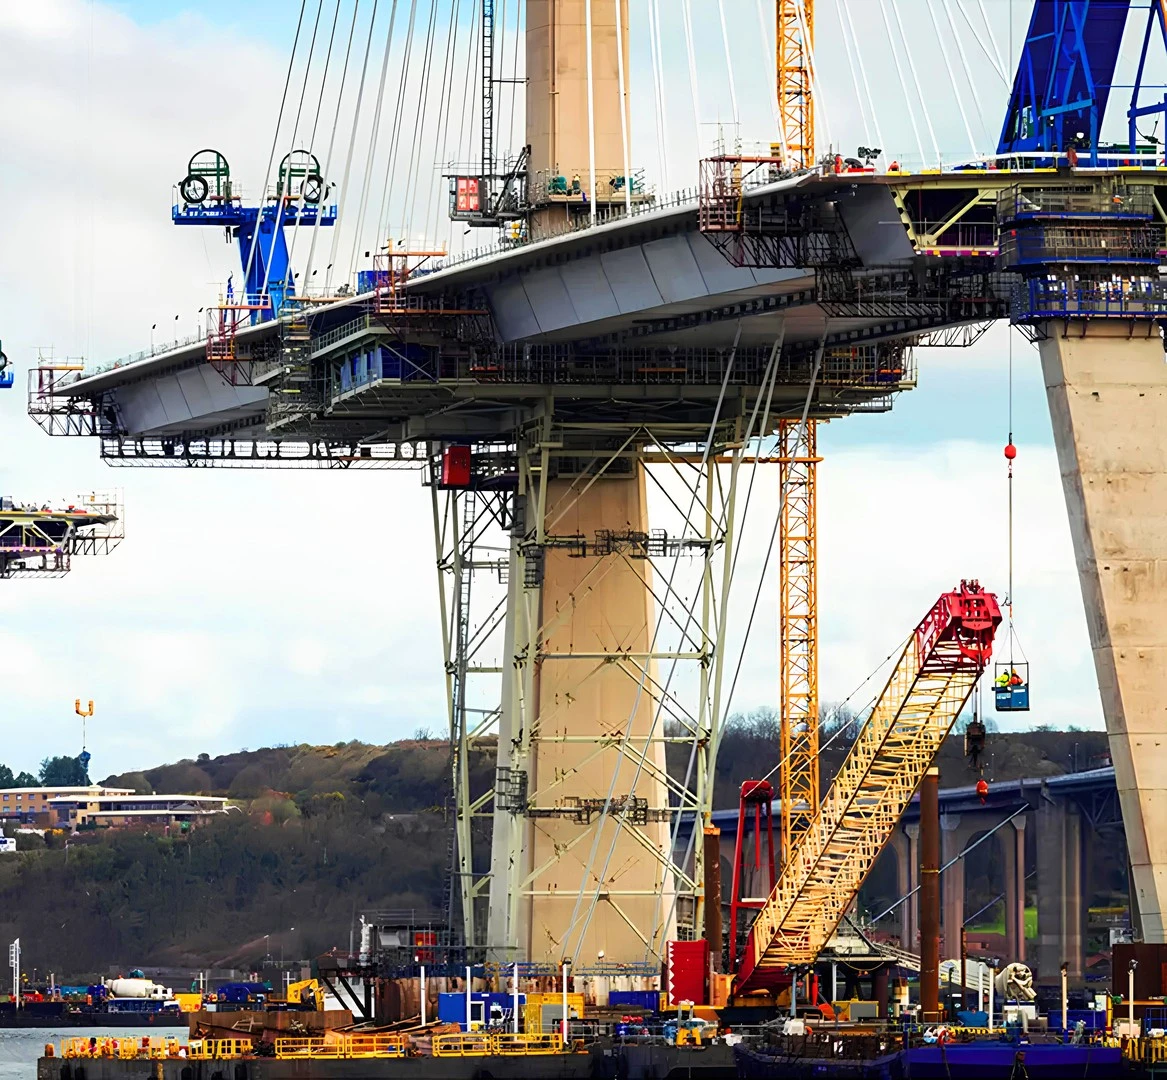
point(795, 80)
point(798, 774)
point(927, 689)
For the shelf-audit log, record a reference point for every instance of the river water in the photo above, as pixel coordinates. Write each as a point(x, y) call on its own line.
point(20, 1047)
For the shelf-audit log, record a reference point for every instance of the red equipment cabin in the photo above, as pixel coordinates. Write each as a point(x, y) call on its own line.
point(755, 795)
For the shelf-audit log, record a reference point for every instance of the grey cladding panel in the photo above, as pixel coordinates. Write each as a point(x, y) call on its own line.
point(629, 278)
point(716, 271)
point(549, 300)
point(194, 389)
point(512, 310)
point(588, 288)
point(874, 224)
point(173, 403)
point(674, 269)
point(140, 407)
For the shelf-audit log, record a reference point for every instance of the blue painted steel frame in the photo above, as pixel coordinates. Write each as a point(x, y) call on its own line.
point(1065, 72)
point(271, 249)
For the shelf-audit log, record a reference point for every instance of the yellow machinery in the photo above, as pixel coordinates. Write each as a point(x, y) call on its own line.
point(795, 80)
point(925, 693)
point(798, 777)
point(798, 774)
point(307, 992)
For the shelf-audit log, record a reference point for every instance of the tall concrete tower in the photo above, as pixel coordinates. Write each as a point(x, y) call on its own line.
point(557, 102)
point(1092, 299)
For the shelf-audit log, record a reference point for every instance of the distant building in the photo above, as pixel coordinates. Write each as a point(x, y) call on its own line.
point(29, 803)
point(113, 810)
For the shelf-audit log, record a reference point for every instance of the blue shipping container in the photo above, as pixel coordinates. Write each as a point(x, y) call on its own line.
point(636, 1000)
point(452, 1008)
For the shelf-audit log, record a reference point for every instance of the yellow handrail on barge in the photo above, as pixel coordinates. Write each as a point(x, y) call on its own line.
point(343, 1046)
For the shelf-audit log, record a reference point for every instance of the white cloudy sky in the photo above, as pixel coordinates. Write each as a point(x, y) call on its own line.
point(247, 609)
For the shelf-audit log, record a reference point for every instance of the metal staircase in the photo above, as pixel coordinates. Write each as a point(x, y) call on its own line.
point(931, 681)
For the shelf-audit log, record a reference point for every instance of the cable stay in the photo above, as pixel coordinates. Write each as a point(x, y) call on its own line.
point(925, 693)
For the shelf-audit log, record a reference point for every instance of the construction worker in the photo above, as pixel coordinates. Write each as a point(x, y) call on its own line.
point(1002, 681)
point(1015, 679)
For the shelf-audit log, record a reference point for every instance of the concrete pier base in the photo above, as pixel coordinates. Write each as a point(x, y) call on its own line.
point(1107, 396)
point(1061, 903)
point(590, 884)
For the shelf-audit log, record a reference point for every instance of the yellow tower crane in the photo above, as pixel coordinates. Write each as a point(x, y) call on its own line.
point(932, 679)
point(798, 773)
point(795, 80)
point(798, 783)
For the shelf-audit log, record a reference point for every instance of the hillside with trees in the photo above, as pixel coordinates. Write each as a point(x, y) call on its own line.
point(322, 833)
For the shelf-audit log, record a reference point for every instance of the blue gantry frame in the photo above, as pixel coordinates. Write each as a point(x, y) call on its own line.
point(1065, 75)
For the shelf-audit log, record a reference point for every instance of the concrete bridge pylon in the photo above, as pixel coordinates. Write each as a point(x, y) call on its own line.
point(1107, 393)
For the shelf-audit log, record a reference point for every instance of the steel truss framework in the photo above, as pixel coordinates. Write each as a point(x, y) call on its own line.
point(687, 706)
point(470, 533)
point(927, 689)
point(42, 543)
point(798, 630)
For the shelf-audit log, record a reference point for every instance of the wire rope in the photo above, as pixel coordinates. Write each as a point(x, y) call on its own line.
point(443, 125)
point(274, 143)
point(959, 39)
point(374, 134)
point(863, 74)
point(285, 195)
point(729, 71)
point(812, 69)
point(412, 177)
point(514, 117)
point(1002, 67)
point(687, 18)
point(769, 52)
point(854, 76)
point(993, 57)
point(308, 271)
point(591, 80)
point(948, 67)
point(312, 143)
point(384, 217)
point(662, 135)
point(903, 82)
point(622, 87)
point(915, 78)
point(953, 861)
point(334, 247)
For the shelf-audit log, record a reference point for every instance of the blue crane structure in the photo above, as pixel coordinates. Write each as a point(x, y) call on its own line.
point(207, 196)
point(1065, 75)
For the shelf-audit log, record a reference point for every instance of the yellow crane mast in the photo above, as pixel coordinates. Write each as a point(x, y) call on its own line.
point(795, 83)
point(798, 782)
point(798, 774)
point(927, 690)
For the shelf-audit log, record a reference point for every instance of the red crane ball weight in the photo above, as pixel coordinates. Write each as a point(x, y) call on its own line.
point(1010, 451)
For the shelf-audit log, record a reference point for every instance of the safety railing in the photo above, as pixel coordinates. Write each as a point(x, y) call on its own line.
point(217, 1049)
point(1147, 1051)
point(126, 1049)
point(533, 1043)
point(342, 1046)
point(463, 1045)
point(1039, 299)
point(1134, 201)
point(487, 1044)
